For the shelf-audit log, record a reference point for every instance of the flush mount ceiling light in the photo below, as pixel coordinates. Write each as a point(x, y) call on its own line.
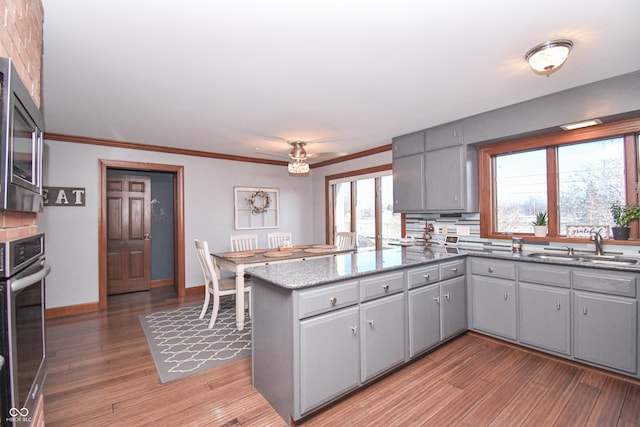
point(578, 125)
point(547, 57)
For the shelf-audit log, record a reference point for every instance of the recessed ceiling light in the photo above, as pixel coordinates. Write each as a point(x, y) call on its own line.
point(584, 124)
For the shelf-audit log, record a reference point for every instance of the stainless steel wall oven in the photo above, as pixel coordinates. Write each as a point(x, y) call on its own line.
point(23, 268)
point(21, 127)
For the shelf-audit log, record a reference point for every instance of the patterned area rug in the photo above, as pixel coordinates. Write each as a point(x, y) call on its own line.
point(181, 344)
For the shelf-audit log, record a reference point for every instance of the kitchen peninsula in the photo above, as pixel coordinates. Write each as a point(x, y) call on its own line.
point(325, 327)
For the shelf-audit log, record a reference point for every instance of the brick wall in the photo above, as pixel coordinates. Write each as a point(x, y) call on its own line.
point(21, 40)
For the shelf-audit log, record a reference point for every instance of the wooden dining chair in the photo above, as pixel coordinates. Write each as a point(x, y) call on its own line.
point(214, 286)
point(275, 240)
point(345, 240)
point(243, 242)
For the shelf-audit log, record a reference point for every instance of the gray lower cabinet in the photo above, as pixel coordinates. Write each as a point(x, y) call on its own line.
point(494, 306)
point(329, 357)
point(605, 330)
point(545, 315)
point(493, 297)
point(453, 304)
point(437, 311)
point(424, 319)
point(382, 335)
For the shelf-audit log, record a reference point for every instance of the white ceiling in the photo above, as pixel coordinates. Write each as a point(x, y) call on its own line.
point(232, 76)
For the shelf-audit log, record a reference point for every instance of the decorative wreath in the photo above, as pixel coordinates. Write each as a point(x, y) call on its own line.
point(257, 206)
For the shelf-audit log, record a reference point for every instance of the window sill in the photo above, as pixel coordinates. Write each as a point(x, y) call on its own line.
point(560, 239)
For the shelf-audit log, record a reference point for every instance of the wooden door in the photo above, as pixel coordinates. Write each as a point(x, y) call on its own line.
point(128, 233)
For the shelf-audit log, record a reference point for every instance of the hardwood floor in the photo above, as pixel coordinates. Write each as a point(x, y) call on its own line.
point(101, 373)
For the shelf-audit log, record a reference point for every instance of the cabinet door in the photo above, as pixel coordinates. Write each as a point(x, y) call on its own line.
point(406, 145)
point(606, 330)
point(494, 306)
point(453, 304)
point(329, 357)
point(408, 183)
point(544, 317)
point(445, 179)
point(424, 318)
point(383, 342)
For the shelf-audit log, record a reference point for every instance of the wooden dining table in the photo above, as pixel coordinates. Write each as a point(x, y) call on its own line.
point(238, 262)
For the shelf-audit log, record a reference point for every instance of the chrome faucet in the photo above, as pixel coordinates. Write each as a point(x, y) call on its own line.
point(597, 238)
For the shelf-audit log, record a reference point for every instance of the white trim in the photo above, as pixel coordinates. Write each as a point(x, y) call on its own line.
point(359, 177)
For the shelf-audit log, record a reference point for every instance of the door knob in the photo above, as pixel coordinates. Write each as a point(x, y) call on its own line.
point(147, 236)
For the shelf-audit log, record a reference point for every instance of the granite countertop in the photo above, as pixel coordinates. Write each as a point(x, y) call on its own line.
point(319, 271)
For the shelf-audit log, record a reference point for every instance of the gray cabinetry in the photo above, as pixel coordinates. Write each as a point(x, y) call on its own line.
point(424, 319)
point(453, 299)
point(493, 300)
point(329, 357)
point(606, 318)
point(606, 330)
point(436, 311)
point(544, 314)
point(544, 306)
point(408, 183)
point(436, 172)
point(383, 336)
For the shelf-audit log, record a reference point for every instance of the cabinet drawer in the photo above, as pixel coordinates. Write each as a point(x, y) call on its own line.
point(381, 285)
point(544, 274)
point(423, 276)
point(326, 298)
point(617, 283)
point(452, 269)
point(493, 268)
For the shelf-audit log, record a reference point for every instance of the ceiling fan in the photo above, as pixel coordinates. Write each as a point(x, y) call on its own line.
point(298, 153)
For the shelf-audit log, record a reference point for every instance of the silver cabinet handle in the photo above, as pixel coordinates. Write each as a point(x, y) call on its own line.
point(386, 288)
point(437, 300)
point(506, 295)
point(557, 306)
point(584, 311)
point(426, 277)
point(370, 322)
point(454, 269)
point(447, 296)
point(354, 329)
point(490, 269)
point(333, 300)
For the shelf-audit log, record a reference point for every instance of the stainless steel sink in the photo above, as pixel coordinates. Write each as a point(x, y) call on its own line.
point(594, 259)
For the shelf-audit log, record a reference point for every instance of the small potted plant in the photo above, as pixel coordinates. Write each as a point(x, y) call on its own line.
point(540, 224)
point(622, 215)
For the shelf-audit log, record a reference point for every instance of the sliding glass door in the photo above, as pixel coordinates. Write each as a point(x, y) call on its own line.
point(364, 204)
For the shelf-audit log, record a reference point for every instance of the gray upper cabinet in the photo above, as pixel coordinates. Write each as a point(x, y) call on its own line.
point(442, 177)
point(408, 183)
point(407, 145)
point(446, 135)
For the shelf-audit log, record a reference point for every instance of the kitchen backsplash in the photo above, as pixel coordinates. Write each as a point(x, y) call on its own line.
point(467, 227)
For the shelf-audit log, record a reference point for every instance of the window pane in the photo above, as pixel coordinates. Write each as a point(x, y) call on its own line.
point(521, 190)
point(390, 221)
point(365, 218)
point(342, 204)
point(590, 179)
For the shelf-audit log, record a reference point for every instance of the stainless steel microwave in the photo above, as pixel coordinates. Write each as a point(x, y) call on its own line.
point(21, 144)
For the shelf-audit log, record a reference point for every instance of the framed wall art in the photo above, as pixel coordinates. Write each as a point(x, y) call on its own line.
point(256, 207)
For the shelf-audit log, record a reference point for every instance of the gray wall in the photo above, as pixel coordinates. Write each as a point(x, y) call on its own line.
point(72, 234)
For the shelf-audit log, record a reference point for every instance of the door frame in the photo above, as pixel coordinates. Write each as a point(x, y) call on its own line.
point(178, 229)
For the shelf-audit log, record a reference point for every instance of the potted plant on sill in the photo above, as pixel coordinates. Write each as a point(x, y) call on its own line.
point(540, 224)
point(622, 215)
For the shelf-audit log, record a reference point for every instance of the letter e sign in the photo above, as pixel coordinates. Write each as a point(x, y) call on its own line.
point(63, 196)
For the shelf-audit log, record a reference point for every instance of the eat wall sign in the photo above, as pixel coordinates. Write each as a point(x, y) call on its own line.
point(63, 196)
